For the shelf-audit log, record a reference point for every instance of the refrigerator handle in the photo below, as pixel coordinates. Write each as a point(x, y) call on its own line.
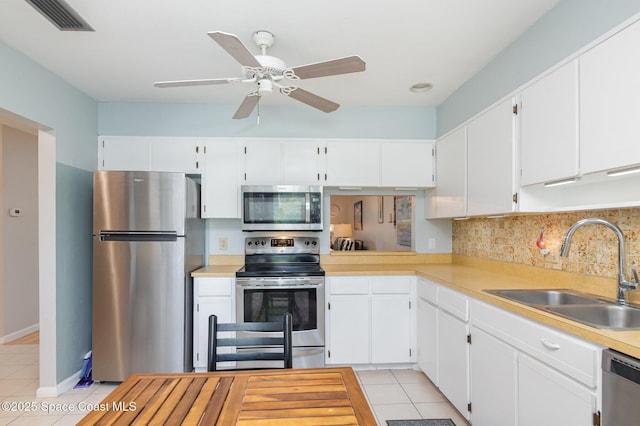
point(137, 236)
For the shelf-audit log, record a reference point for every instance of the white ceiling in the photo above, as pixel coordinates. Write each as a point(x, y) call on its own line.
point(138, 42)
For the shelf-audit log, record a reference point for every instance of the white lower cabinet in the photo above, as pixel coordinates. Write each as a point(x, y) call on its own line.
point(453, 349)
point(369, 320)
point(348, 337)
point(212, 296)
point(547, 397)
point(525, 373)
point(427, 329)
point(498, 368)
point(494, 372)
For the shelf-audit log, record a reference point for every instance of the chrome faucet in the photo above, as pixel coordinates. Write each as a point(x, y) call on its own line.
point(623, 285)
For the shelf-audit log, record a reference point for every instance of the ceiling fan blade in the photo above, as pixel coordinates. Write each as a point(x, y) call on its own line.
point(247, 105)
point(203, 82)
point(333, 67)
point(314, 100)
point(235, 48)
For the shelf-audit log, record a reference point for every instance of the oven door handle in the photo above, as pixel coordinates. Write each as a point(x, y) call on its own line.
point(277, 287)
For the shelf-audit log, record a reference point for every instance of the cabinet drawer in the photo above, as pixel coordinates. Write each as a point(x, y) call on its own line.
point(454, 303)
point(391, 285)
point(215, 286)
point(348, 285)
point(428, 291)
point(572, 356)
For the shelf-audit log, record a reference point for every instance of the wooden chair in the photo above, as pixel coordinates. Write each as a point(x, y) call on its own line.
point(283, 342)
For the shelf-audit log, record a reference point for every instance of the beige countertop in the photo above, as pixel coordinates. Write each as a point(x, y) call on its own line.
point(471, 276)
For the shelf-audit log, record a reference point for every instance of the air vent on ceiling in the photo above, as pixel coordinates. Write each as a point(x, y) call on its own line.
point(60, 14)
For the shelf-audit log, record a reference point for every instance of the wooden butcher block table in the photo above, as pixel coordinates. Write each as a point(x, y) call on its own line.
point(323, 396)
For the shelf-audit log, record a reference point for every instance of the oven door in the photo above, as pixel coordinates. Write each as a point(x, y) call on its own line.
point(267, 299)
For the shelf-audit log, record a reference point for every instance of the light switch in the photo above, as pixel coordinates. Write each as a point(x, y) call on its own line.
point(15, 212)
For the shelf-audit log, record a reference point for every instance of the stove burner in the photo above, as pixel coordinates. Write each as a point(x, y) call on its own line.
point(281, 257)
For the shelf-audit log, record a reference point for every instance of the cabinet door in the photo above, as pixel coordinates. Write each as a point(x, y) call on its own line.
point(546, 397)
point(124, 153)
point(610, 103)
point(407, 163)
point(300, 163)
point(449, 198)
point(490, 167)
point(494, 371)
point(353, 163)
point(453, 361)
point(427, 339)
point(348, 324)
point(220, 189)
point(549, 127)
point(262, 163)
point(390, 328)
point(206, 306)
point(175, 155)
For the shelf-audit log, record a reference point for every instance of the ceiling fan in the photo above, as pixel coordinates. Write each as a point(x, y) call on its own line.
point(267, 72)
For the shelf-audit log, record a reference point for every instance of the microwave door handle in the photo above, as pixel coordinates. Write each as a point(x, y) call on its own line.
point(307, 202)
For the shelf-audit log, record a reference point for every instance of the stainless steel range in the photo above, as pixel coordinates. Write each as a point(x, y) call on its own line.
point(283, 274)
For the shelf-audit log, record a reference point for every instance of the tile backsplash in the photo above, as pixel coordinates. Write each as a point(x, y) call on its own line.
point(594, 248)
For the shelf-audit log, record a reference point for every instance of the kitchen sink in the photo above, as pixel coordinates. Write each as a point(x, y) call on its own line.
point(546, 297)
point(607, 316)
point(583, 308)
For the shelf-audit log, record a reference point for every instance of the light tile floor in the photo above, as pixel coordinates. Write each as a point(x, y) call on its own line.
point(19, 372)
point(405, 394)
point(392, 394)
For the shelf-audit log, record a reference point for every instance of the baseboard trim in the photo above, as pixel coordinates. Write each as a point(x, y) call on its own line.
point(18, 334)
point(62, 387)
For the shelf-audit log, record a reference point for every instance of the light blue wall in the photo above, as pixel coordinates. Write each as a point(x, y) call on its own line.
point(571, 25)
point(152, 119)
point(28, 90)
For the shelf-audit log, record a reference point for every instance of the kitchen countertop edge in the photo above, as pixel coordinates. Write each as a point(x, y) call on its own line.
point(471, 281)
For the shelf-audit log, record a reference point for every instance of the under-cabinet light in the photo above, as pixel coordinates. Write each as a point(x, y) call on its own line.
point(627, 171)
point(561, 182)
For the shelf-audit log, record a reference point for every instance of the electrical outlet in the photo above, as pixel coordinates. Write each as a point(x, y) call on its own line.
point(223, 243)
point(431, 243)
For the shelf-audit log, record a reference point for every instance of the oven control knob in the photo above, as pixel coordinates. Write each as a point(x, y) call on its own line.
point(313, 243)
point(249, 243)
point(306, 243)
point(262, 242)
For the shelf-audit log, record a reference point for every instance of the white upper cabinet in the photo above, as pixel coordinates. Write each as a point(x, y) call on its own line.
point(490, 161)
point(176, 155)
point(123, 153)
point(549, 127)
point(220, 187)
point(610, 103)
point(262, 163)
point(407, 163)
point(449, 197)
point(156, 154)
point(353, 163)
point(301, 162)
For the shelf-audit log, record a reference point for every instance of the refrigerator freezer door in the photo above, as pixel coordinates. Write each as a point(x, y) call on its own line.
point(139, 309)
point(142, 201)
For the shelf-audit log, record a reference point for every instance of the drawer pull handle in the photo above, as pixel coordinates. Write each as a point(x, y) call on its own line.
point(549, 345)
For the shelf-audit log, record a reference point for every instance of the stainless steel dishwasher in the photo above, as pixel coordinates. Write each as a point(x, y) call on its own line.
point(620, 389)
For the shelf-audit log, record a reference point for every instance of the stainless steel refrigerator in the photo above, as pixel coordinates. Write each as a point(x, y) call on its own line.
point(147, 239)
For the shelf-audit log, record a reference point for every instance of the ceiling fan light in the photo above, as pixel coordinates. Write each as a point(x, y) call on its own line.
point(421, 87)
point(265, 86)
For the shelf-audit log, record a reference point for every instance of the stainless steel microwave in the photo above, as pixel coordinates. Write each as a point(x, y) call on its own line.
point(281, 208)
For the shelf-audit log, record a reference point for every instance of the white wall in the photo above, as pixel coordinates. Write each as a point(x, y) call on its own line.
point(19, 278)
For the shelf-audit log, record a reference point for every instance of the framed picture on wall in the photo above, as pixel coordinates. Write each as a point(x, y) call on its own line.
point(357, 216)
